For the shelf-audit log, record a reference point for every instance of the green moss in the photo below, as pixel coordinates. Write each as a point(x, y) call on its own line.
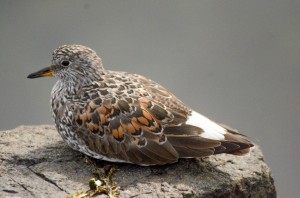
point(108, 185)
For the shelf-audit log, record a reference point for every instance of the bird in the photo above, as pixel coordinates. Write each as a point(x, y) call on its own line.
point(127, 118)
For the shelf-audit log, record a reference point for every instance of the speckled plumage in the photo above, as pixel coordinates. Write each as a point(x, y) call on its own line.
point(125, 117)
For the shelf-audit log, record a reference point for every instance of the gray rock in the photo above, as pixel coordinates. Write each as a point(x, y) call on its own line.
point(35, 162)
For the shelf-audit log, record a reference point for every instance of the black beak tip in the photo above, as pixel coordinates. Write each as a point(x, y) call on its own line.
point(31, 76)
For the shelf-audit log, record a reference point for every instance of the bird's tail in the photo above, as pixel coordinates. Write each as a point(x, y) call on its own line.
point(234, 143)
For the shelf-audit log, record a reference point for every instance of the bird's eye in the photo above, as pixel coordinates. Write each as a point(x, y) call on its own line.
point(65, 63)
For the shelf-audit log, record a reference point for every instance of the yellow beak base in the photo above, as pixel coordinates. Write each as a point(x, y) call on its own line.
point(46, 72)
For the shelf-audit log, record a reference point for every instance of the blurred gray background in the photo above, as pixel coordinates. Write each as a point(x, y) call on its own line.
point(235, 61)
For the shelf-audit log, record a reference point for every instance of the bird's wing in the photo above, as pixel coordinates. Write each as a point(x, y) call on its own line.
point(161, 95)
point(151, 128)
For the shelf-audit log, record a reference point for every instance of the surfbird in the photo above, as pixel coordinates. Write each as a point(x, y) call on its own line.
point(125, 117)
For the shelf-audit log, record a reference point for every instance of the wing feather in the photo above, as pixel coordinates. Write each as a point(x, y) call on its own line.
point(148, 126)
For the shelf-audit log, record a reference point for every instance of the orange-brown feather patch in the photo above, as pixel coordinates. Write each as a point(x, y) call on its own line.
point(89, 116)
point(115, 133)
point(135, 125)
point(147, 115)
point(92, 127)
point(144, 101)
point(101, 110)
point(118, 134)
point(103, 118)
point(121, 131)
point(130, 129)
point(83, 117)
point(143, 121)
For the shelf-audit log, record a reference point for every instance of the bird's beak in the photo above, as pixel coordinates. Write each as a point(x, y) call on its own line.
point(48, 71)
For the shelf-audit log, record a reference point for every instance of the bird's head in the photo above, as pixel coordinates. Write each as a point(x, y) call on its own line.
point(73, 63)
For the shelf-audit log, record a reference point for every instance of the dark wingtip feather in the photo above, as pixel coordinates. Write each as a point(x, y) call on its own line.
point(242, 144)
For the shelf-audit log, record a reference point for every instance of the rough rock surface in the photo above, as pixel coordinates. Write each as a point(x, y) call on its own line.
point(35, 162)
